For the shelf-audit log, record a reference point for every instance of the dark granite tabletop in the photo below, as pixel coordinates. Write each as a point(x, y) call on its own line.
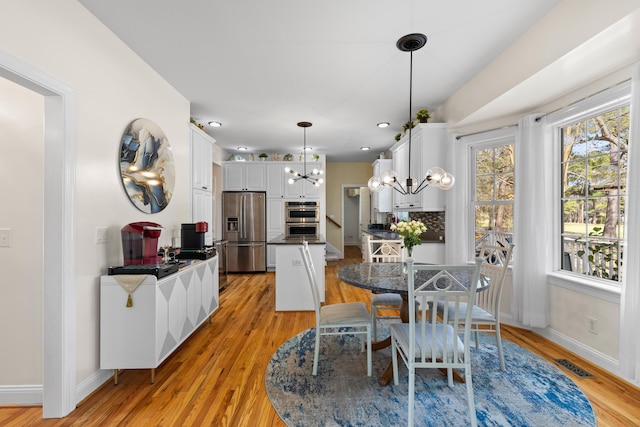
point(282, 240)
point(389, 277)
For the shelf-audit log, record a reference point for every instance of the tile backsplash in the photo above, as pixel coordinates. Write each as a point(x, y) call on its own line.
point(434, 221)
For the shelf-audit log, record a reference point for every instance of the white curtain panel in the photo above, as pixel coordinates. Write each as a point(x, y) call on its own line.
point(533, 221)
point(630, 297)
point(457, 202)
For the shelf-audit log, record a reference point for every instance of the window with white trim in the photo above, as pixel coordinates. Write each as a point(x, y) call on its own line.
point(593, 179)
point(493, 186)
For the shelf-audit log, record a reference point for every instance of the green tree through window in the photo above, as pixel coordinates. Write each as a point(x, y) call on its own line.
point(493, 200)
point(594, 182)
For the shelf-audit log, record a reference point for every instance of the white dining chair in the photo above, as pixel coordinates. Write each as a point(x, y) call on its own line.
point(383, 250)
point(485, 316)
point(429, 341)
point(336, 319)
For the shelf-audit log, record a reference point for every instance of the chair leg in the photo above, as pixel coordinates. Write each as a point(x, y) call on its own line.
point(477, 338)
point(412, 379)
point(394, 360)
point(316, 352)
point(499, 343)
point(470, 400)
point(369, 360)
point(373, 322)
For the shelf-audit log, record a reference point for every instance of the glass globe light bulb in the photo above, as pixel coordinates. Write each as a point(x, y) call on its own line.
point(375, 184)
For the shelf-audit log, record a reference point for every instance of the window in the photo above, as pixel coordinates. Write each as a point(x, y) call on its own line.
point(493, 198)
point(593, 171)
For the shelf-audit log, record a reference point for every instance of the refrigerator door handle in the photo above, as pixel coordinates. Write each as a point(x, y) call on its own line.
point(242, 224)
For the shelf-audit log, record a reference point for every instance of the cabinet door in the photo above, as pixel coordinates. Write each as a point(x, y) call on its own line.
point(201, 158)
point(233, 176)
point(255, 177)
point(202, 210)
point(301, 188)
point(275, 180)
point(433, 154)
point(275, 216)
point(381, 201)
point(414, 201)
point(400, 163)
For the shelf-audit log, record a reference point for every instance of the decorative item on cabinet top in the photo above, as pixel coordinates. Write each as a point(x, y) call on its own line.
point(146, 166)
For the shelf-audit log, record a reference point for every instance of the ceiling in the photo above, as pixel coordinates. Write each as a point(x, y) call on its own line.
point(260, 67)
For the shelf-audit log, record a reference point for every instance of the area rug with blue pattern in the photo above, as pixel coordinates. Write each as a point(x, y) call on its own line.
point(530, 392)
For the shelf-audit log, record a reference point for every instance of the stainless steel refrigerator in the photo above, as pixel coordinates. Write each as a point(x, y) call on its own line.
point(244, 227)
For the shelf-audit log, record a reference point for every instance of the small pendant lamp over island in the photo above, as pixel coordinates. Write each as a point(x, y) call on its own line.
point(315, 175)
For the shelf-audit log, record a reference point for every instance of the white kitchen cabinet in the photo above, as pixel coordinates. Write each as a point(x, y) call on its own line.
point(428, 143)
point(163, 314)
point(381, 201)
point(271, 251)
point(293, 292)
point(302, 189)
point(202, 179)
point(202, 210)
point(244, 176)
point(201, 158)
point(275, 216)
point(275, 180)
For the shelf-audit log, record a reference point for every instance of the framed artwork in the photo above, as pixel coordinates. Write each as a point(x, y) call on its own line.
point(146, 166)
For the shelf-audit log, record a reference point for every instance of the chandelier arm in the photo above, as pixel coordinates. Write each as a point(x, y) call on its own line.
point(424, 184)
point(398, 187)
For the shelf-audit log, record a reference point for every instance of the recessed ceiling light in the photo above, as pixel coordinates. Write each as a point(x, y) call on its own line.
point(242, 148)
point(215, 124)
point(365, 148)
point(308, 148)
point(383, 124)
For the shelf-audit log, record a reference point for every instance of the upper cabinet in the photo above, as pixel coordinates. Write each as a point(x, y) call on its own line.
point(244, 176)
point(275, 180)
point(381, 201)
point(428, 142)
point(201, 158)
point(202, 179)
point(301, 189)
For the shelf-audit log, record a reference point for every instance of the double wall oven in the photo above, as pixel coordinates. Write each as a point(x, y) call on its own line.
point(302, 219)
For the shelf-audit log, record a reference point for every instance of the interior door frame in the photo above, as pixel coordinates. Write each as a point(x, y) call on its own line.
point(345, 187)
point(59, 293)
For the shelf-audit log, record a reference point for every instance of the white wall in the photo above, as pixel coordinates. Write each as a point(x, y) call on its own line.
point(21, 210)
point(113, 87)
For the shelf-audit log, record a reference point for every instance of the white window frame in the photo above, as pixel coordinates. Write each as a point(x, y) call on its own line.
point(489, 139)
point(599, 103)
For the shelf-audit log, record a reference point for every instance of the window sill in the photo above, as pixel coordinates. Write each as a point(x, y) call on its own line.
point(585, 285)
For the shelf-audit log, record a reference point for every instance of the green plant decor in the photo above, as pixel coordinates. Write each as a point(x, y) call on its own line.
point(423, 115)
point(408, 125)
point(398, 136)
point(601, 251)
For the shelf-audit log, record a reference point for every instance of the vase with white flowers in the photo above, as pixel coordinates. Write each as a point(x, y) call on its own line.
point(410, 232)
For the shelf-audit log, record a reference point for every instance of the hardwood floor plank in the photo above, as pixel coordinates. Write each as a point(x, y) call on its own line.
point(216, 378)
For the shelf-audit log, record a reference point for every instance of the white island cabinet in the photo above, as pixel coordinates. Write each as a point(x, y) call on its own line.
point(163, 314)
point(293, 291)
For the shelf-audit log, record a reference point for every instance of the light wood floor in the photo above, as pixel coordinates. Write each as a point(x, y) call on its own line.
point(216, 377)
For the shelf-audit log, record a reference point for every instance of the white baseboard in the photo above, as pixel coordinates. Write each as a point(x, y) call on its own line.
point(30, 395)
point(21, 395)
point(92, 383)
point(607, 363)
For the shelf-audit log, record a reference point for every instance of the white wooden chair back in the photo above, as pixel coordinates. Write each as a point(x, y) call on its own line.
point(311, 274)
point(495, 263)
point(385, 250)
point(447, 284)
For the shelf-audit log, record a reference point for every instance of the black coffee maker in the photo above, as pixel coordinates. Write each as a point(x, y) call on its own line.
point(192, 235)
point(140, 243)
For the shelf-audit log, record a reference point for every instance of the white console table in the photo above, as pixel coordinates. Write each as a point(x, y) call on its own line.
point(163, 314)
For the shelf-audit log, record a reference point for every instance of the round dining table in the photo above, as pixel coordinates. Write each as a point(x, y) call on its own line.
point(391, 277)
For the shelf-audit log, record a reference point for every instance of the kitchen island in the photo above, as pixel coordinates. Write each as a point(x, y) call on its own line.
point(293, 292)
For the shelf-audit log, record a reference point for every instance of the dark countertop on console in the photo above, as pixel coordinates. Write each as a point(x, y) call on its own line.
point(282, 240)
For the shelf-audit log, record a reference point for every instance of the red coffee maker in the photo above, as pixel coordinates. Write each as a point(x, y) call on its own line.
point(140, 243)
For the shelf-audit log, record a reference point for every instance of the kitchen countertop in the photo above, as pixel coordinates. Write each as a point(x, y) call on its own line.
point(427, 237)
point(282, 240)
